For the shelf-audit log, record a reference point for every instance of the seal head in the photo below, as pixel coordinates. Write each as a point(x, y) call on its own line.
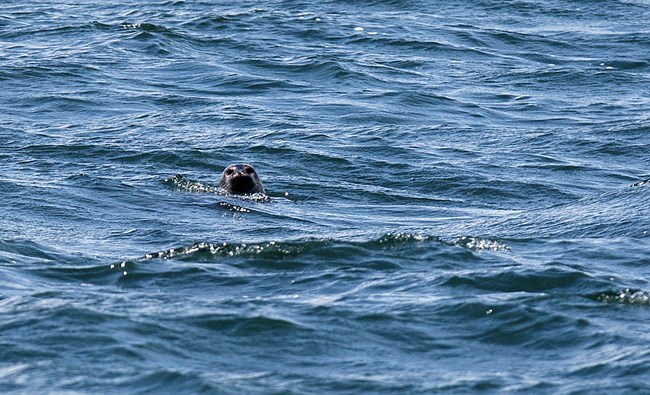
point(241, 178)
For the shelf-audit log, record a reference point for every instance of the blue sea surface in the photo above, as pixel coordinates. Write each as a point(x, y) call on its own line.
point(457, 197)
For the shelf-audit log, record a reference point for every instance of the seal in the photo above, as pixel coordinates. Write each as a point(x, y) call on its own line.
point(241, 178)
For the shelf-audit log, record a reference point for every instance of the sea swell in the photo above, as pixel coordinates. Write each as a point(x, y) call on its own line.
point(456, 197)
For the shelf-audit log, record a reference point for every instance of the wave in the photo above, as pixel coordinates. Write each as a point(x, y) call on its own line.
point(292, 248)
point(180, 183)
point(623, 296)
point(619, 213)
point(291, 255)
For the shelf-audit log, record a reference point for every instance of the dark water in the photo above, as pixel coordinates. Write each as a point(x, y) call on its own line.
point(451, 210)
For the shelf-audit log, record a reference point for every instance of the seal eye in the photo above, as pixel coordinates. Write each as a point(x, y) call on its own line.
point(250, 170)
point(229, 171)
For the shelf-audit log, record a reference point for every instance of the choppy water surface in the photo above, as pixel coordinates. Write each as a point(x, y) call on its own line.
point(451, 191)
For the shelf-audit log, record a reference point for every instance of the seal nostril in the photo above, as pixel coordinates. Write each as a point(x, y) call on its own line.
point(250, 170)
point(229, 171)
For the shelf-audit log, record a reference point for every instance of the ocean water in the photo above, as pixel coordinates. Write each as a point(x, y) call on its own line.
point(456, 197)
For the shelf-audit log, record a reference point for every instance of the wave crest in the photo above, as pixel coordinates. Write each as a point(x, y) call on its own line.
point(624, 296)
